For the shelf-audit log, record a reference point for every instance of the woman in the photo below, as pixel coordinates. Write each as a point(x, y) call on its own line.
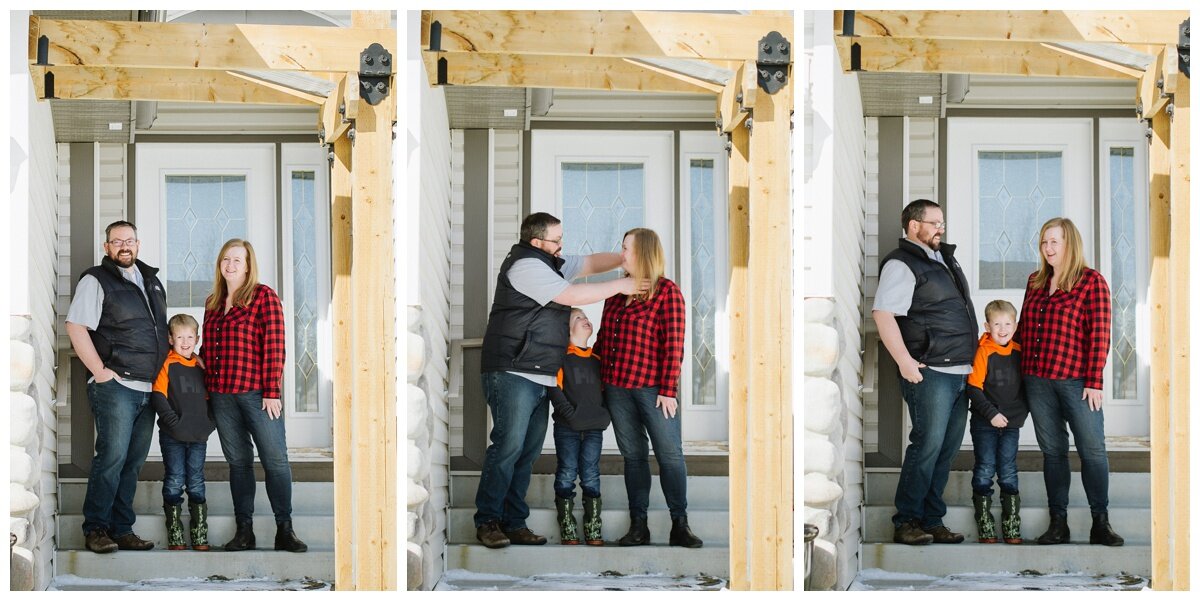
point(243, 350)
point(640, 346)
point(1064, 332)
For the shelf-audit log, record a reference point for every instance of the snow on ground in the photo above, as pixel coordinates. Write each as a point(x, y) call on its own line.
point(879, 580)
point(463, 580)
point(70, 582)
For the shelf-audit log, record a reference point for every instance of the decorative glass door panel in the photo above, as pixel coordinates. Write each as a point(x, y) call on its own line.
point(1018, 192)
point(600, 202)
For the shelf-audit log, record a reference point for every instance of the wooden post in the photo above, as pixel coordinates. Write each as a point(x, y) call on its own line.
point(739, 326)
point(1160, 354)
point(1180, 267)
point(769, 384)
point(343, 358)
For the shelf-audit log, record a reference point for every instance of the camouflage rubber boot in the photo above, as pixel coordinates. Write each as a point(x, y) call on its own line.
point(175, 540)
point(592, 524)
point(567, 528)
point(983, 518)
point(1010, 518)
point(198, 514)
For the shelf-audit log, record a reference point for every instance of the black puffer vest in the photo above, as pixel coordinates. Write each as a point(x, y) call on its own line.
point(940, 329)
point(131, 337)
point(522, 335)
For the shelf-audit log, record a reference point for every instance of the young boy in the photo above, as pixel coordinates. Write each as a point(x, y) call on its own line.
point(185, 423)
point(998, 409)
point(579, 422)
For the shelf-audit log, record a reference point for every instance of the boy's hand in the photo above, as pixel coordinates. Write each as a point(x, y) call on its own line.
point(912, 371)
point(1000, 421)
point(668, 406)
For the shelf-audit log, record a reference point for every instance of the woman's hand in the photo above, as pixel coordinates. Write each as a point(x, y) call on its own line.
point(668, 406)
point(1094, 397)
point(273, 407)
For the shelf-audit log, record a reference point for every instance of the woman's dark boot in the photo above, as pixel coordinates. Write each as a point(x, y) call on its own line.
point(1010, 518)
point(639, 533)
point(1102, 532)
point(567, 530)
point(985, 523)
point(285, 538)
point(1058, 532)
point(243, 539)
point(198, 516)
point(681, 535)
point(592, 524)
point(175, 540)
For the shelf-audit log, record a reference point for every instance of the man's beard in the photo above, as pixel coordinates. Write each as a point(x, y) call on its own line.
point(124, 259)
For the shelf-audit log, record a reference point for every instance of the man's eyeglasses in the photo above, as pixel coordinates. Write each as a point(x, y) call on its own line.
point(123, 243)
point(557, 241)
point(941, 225)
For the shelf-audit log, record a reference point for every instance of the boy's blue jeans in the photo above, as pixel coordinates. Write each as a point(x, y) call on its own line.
point(995, 456)
point(578, 455)
point(183, 466)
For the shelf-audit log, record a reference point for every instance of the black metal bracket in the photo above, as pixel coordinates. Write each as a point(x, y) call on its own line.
point(774, 52)
point(1185, 47)
point(848, 24)
point(374, 71)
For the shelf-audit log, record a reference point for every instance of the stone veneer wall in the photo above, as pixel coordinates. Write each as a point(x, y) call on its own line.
point(824, 428)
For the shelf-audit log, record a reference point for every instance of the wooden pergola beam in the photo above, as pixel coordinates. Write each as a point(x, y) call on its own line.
point(204, 46)
point(914, 55)
point(1129, 27)
point(1151, 99)
point(1180, 318)
point(543, 71)
point(613, 34)
point(1125, 70)
point(132, 83)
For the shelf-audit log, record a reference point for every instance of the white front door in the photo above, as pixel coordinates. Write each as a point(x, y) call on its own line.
point(603, 183)
point(1005, 178)
point(191, 198)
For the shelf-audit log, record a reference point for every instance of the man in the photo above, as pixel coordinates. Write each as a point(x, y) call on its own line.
point(523, 348)
point(118, 326)
point(925, 319)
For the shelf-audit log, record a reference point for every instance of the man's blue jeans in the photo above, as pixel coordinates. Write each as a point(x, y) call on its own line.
point(634, 416)
point(520, 410)
point(124, 427)
point(1054, 405)
point(995, 456)
point(937, 408)
point(240, 418)
point(578, 455)
point(183, 466)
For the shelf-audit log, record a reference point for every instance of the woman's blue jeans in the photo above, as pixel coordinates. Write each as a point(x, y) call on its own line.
point(634, 416)
point(183, 466)
point(241, 419)
point(1054, 405)
point(124, 427)
point(937, 408)
point(578, 455)
point(520, 410)
point(995, 456)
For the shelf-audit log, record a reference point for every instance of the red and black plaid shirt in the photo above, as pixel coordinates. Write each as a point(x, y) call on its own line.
point(641, 344)
point(1067, 335)
point(243, 349)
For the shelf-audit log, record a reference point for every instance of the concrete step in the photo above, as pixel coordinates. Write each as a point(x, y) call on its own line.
point(704, 492)
point(943, 560)
point(711, 526)
point(532, 560)
point(307, 498)
point(314, 530)
point(134, 566)
point(1125, 489)
point(1132, 523)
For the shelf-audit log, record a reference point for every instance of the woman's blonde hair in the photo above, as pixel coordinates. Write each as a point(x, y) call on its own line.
point(1073, 264)
point(243, 295)
point(648, 259)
